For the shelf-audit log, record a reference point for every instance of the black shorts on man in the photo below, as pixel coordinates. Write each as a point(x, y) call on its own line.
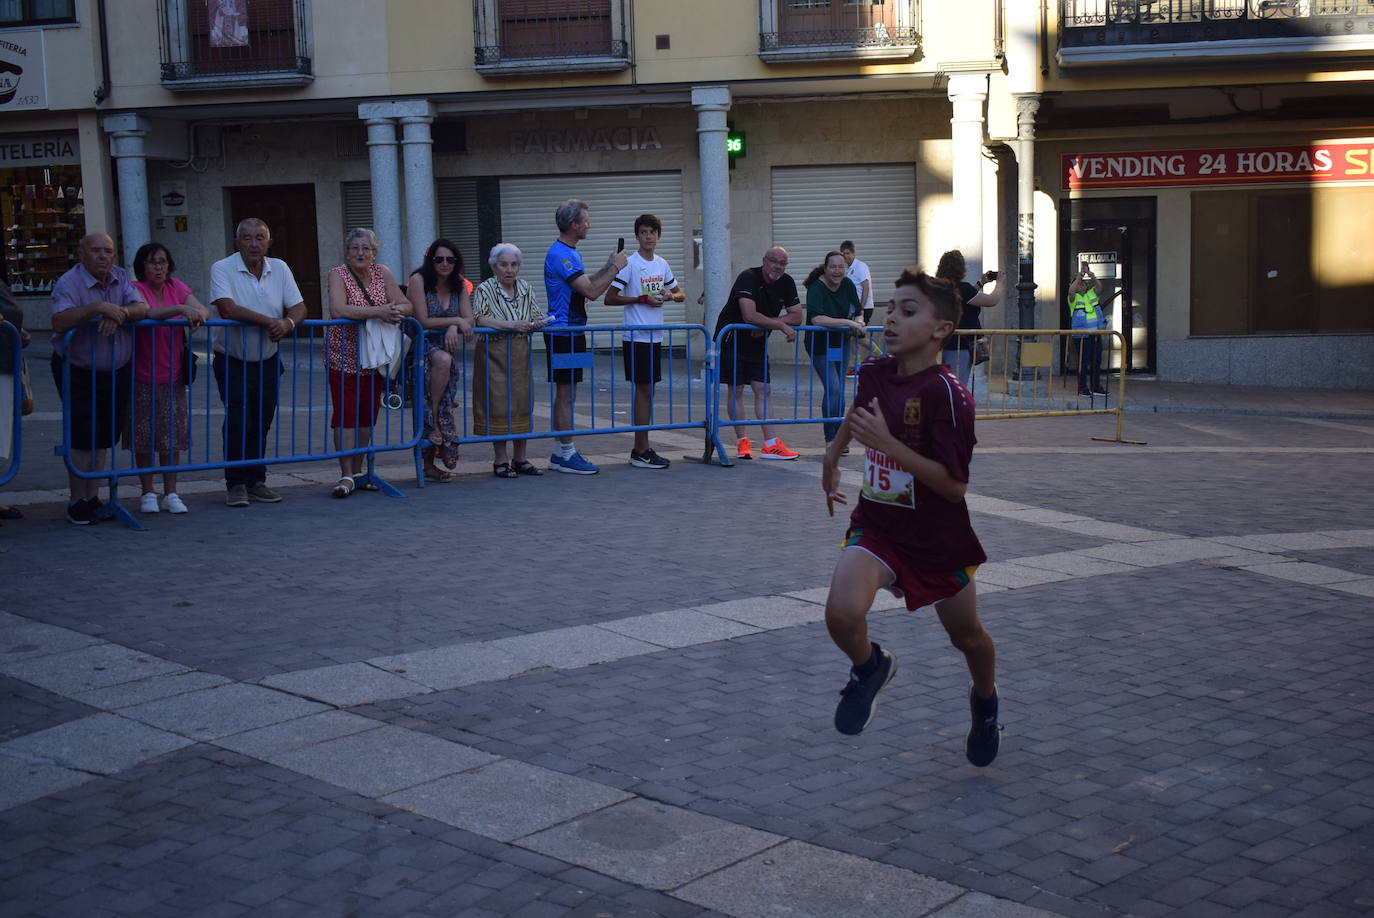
point(564, 343)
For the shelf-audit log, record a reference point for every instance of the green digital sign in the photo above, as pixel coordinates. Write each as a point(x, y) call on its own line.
point(734, 143)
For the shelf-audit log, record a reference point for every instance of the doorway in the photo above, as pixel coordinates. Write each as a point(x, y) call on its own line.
point(289, 212)
point(1116, 236)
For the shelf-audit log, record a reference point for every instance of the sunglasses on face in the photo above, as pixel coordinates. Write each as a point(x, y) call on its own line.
point(445, 260)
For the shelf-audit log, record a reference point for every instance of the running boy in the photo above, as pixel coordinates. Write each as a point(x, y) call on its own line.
point(642, 287)
point(910, 530)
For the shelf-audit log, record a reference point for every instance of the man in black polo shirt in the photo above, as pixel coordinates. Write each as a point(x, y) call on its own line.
point(765, 297)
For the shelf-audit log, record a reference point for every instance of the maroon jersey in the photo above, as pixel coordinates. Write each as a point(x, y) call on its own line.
point(932, 413)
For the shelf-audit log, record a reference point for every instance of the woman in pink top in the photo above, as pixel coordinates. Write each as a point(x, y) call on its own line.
point(157, 413)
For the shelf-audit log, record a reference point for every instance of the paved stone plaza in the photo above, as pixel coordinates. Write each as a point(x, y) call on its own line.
point(611, 696)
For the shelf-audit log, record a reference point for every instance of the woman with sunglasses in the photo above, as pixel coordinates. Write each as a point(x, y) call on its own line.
point(441, 296)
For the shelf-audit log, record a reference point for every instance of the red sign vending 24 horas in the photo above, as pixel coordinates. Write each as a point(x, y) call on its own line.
point(1334, 161)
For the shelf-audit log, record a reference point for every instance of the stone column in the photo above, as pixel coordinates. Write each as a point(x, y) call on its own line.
point(967, 94)
point(131, 169)
point(386, 183)
point(1026, 107)
point(417, 158)
point(712, 103)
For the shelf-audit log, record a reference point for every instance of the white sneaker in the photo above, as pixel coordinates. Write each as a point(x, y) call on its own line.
point(148, 503)
point(172, 504)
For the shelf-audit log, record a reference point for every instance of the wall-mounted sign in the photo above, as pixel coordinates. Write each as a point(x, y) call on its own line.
point(39, 150)
point(23, 77)
point(171, 196)
point(1334, 161)
point(586, 140)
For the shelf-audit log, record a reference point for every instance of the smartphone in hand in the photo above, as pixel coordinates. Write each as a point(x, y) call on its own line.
point(620, 244)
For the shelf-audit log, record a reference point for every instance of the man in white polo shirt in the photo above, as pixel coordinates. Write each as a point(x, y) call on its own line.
point(261, 293)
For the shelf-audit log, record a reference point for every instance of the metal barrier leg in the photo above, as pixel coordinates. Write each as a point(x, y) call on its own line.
point(112, 509)
point(370, 477)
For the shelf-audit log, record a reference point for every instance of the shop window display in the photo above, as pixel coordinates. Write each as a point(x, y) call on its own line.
point(44, 215)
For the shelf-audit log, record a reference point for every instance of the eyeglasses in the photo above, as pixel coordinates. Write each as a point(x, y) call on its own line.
point(775, 260)
point(445, 260)
point(360, 249)
point(157, 261)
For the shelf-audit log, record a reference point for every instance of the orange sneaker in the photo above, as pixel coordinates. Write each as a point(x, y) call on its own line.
point(778, 450)
point(743, 450)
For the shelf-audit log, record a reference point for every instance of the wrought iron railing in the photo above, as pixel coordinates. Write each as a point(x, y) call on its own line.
point(845, 23)
point(1088, 23)
point(509, 31)
point(233, 39)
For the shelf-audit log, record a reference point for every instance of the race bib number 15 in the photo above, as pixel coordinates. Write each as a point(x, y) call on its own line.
point(887, 482)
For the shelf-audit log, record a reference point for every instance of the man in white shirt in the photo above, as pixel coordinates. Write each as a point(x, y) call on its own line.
point(858, 273)
point(261, 293)
point(642, 287)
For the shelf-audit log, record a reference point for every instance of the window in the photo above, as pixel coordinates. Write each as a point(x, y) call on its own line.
point(36, 12)
point(522, 36)
point(208, 43)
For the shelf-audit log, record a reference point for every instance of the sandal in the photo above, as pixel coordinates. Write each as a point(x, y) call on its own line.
point(438, 475)
point(503, 470)
point(525, 467)
point(343, 488)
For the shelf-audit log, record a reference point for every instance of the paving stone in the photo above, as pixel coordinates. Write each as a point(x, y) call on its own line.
point(569, 648)
point(506, 800)
point(650, 844)
point(803, 880)
point(128, 694)
point(679, 628)
point(346, 684)
point(381, 761)
point(102, 743)
point(279, 739)
point(23, 779)
point(449, 667)
point(221, 711)
point(1115, 531)
point(1002, 573)
point(1302, 572)
point(769, 612)
point(93, 667)
point(34, 639)
point(978, 905)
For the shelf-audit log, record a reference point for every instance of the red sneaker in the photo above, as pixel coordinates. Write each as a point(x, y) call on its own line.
point(778, 450)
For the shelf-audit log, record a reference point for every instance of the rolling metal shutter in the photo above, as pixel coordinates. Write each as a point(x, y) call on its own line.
point(815, 208)
point(614, 201)
point(357, 204)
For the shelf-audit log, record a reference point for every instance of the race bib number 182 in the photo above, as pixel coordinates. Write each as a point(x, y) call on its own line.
point(887, 482)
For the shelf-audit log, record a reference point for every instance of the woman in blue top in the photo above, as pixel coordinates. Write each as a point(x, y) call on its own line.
point(832, 301)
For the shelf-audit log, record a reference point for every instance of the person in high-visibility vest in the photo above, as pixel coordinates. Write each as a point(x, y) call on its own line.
point(1087, 310)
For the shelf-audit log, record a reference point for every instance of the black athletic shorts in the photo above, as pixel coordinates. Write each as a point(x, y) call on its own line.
point(559, 343)
point(643, 361)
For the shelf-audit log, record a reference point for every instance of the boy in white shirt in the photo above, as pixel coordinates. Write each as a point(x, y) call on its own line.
point(642, 287)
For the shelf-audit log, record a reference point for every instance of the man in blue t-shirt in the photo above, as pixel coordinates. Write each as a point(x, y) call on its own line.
point(568, 287)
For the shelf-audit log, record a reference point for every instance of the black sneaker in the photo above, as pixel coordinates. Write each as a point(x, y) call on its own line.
point(985, 734)
point(648, 459)
point(859, 699)
point(82, 512)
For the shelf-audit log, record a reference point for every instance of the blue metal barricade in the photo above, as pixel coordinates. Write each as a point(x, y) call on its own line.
point(11, 410)
point(144, 395)
point(813, 388)
point(500, 394)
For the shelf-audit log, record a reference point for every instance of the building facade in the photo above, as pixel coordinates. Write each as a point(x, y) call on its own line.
point(908, 126)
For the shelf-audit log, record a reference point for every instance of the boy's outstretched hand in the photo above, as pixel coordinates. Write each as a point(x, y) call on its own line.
point(830, 483)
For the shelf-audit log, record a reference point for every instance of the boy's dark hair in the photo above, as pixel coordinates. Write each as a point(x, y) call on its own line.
point(940, 291)
point(847, 246)
point(650, 221)
point(146, 252)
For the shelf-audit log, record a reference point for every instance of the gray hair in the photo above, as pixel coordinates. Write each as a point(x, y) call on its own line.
point(505, 248)
point(251, 221)
point(362, 232)
point(568, 213)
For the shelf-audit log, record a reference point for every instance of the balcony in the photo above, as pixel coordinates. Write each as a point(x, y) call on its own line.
point(233, 44)
point(516, 37)
point(1111, 32)
point(838, 30)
